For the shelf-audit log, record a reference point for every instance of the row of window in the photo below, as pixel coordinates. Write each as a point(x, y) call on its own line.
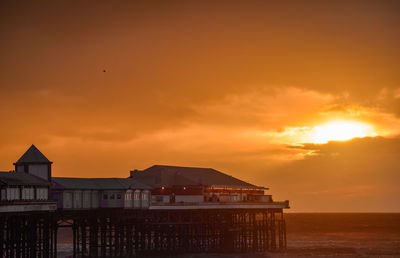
point(112, 196)
point(136, 196)
point(16, 193)
point(90, 199)
point(79, 199)
point(128, 196)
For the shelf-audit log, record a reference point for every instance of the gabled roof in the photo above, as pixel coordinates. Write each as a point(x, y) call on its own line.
point(98, 183)
point(160, 175)
point(32, 155)
point(21, 178)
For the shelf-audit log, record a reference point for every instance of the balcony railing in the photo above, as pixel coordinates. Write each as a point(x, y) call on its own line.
point(283, 204)
point(25, 202)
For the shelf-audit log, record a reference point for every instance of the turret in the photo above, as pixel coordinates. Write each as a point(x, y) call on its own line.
point(35, 163)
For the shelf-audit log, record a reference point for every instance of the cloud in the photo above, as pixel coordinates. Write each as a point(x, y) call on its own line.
point(205, 84)
point(367, 145)
point(263, 107)
point(357, 175)
point(251, 128)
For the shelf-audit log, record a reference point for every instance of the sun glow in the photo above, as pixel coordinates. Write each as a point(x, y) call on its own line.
point(340, 131)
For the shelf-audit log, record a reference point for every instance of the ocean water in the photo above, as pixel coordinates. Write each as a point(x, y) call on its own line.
point(320, 235)
point(342, 235)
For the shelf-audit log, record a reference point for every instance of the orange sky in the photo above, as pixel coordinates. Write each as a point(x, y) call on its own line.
point(233, 85)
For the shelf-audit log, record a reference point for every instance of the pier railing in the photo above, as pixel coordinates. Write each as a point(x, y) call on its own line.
point(219, 205)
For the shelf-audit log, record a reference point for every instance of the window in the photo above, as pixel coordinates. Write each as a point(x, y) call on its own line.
point(3, 194)
point(105, 196)
point(28, 193)
point(77, 199)
point(119, 196)
point(136, 196)
point(12, 193)
point(144, 196)
point(41, 193)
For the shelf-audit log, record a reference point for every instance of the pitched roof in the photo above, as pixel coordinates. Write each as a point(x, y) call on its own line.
point(160, 175)
point(98, 183)
point(32, 155)
point(21, 178)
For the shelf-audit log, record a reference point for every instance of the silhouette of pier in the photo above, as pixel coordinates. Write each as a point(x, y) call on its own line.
point(157, 211)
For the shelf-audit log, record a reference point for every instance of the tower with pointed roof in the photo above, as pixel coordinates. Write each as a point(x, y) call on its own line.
point(35, 163)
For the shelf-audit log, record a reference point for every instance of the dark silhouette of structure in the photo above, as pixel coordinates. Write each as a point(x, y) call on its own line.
point(160, 210)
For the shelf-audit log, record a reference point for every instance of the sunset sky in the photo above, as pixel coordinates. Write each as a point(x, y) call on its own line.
point(256, 89)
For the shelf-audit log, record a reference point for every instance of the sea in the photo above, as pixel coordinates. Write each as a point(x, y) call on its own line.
point(318, 235)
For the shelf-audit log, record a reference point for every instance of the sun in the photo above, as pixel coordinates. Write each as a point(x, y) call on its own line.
point(340, 131)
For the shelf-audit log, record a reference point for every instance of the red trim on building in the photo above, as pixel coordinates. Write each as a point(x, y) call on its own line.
point(233, 190)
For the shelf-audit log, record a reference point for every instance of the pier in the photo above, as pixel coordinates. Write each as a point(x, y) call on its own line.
point(157, 211)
